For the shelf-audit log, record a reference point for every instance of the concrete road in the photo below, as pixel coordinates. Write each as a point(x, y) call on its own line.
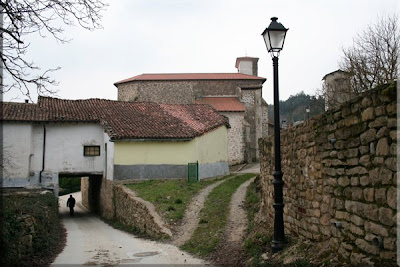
point(90, 241)
point(251, 168)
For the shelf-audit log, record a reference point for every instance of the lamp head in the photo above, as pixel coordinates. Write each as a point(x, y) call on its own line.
point(274, 37)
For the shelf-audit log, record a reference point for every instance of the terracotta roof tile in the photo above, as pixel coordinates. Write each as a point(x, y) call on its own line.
point(190, 76)
point(122, 120)
point(12, 111)
point(227, 104)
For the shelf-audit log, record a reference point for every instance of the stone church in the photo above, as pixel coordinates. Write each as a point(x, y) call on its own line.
point(237, 96)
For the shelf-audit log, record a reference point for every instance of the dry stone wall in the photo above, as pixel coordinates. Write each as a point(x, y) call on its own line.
point(135, 212)
point(114, 201)
point(340, 177)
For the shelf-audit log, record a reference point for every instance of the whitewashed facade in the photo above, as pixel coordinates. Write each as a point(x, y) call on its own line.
point(40, 153)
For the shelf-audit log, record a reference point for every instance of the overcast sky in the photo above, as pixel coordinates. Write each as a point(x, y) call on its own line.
point(205, 36)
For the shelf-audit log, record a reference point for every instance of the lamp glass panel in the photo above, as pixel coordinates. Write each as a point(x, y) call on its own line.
point(277, 38)
point(267, 41)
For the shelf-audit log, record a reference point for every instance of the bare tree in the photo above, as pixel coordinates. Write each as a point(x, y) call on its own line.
point(374, 57)
point(21, 18)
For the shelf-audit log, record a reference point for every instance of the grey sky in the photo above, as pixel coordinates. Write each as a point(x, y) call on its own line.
point(186, 36)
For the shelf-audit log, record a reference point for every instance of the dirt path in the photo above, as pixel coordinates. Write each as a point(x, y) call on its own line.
point(230, 250)
point(90, 241)
point(191, 219)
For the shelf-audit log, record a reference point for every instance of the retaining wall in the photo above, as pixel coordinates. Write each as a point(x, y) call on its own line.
point(341, 167)
point(114, 201)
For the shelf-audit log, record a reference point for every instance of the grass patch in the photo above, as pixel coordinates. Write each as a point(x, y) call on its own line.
point(69, 185)
point(32, 233)
point(214, 217)
point(257, 240)
point(252, 202)
point(170, 197)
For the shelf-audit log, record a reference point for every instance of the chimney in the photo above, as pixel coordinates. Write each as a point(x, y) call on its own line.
point(26, 101)
point(247, 65)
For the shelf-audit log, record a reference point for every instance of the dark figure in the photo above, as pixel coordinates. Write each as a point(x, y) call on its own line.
point(71, 205)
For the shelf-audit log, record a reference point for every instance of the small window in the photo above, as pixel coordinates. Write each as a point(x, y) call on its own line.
point(91, 151)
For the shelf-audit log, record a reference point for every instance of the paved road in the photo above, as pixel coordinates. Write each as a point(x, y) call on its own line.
point(90, 241)
point(251, 168)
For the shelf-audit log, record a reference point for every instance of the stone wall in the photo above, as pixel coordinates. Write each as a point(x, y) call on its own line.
point(187, 91)
point(265, 128)
point(340, 167)
point(135, 212)
point(181, 91)
point(253, 116)
point(97, 195)
point(114, 201)
point(236, 144)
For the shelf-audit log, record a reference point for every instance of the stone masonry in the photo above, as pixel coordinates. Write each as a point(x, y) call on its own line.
point(187, 90)
point(235, 137)
point(113, 201)
point(340, 167)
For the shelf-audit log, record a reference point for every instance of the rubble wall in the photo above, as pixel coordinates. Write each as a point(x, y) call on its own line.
point(340, 167)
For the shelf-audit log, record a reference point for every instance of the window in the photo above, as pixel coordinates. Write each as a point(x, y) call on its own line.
point(91, 151)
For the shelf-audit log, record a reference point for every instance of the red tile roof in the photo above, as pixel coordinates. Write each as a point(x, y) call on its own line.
point(122, 120)
point(227, 104)
point(22, 112)
point(190, 76)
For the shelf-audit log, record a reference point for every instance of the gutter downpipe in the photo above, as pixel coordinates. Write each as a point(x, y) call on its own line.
point(44, 153)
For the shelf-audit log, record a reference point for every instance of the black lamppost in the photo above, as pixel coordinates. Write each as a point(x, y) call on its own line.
point(274, 37)
point(308, 112)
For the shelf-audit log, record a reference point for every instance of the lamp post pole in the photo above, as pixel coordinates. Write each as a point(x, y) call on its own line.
point(274, 37)
point(279, 230)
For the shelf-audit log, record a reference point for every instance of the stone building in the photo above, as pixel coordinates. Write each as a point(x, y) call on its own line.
point(237, 96)
point(337, 88)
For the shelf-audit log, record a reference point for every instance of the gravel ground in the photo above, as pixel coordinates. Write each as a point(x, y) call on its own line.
point(229, 252)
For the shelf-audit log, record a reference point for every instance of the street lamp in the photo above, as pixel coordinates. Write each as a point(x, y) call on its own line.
point(308, 112)
point(274, 37)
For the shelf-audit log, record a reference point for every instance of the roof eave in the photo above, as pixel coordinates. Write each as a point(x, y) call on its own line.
point(151, 139)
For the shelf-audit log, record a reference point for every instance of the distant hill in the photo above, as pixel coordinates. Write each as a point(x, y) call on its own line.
point(294, 108)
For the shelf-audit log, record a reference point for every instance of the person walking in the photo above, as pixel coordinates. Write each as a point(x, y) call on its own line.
point(71, 205)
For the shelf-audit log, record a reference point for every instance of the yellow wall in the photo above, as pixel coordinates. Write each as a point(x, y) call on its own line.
point(208, 148)
point(213, 146)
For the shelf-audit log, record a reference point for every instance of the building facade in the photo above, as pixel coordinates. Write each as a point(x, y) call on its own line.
point(337, 88)
point(109, 139)
point(246, 110)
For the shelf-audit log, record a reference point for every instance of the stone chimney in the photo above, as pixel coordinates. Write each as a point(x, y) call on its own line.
point(247, 65)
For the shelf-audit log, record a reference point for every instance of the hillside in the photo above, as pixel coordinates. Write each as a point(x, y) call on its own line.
point(294, 108)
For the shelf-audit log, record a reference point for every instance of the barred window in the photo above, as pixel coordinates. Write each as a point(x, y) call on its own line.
point(91, 151)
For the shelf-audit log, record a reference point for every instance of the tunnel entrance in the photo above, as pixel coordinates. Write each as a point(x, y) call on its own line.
point(68, 184)
point(93, 192)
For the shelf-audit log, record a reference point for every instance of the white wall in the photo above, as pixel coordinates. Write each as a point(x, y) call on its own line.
point(109, 161)
point(246, 67)
point(64, 148)
point(17, 147)
point(23, 148)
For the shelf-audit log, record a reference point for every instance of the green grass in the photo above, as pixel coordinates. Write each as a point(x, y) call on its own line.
point(257, 240)
point(252, 203)
point(69, 185)
point(214, 217)
point(170, 197)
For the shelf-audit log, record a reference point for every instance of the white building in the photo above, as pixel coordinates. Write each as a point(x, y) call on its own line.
point(111, 139)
